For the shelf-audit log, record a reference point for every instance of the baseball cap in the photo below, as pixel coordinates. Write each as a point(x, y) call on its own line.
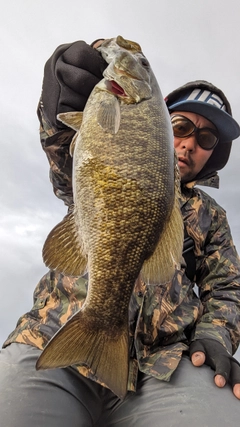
point(209, 102)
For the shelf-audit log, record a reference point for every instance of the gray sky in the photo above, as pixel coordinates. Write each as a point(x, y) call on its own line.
point(183, 40)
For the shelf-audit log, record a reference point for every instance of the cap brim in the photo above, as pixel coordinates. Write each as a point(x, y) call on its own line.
point(227, 127)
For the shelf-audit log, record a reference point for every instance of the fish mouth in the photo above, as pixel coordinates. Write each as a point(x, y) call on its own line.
point(114, 87)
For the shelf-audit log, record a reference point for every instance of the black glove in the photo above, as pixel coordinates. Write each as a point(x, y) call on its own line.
point(218, 359)
point(70, 74)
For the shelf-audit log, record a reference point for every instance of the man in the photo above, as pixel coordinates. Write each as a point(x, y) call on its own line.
point(167, 323)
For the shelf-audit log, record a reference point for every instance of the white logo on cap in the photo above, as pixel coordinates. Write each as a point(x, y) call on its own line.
point(208, 97)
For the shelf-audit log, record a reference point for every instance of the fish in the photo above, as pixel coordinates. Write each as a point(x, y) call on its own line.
point(126, 221)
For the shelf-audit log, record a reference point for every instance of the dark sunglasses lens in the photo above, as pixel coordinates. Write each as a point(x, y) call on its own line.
point(182, 127)
point(206, 139)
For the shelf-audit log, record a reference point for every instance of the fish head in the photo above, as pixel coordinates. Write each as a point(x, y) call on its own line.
point(128, 75)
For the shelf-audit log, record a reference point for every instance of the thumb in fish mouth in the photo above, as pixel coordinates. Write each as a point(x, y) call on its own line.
point(97, 43)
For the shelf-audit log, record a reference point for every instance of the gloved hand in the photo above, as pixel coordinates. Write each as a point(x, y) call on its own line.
point(213, 354)
point(70, 74)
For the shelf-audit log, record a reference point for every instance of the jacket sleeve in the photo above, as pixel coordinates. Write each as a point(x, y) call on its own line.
point(218, 278)
point(56, 146)
point(70, 75)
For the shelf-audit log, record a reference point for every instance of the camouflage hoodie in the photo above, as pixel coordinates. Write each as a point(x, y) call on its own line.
point(163, 319)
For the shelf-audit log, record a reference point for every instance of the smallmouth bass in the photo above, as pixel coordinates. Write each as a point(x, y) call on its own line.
point(126, 219)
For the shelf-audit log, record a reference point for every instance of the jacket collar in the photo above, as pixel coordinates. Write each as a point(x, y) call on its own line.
point(211, 180)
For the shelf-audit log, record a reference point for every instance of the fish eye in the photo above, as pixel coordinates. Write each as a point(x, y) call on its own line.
point(144, 62)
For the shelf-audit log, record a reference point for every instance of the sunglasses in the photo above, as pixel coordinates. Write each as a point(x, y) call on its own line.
point(207, 138)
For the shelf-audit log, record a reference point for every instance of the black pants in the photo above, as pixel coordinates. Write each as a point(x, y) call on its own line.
point(64, 398)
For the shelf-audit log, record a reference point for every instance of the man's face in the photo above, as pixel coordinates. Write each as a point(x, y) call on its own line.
point(191, 157)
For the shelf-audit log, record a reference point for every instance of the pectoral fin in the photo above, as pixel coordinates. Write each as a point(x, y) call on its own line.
point(109, 115)
point(62, 249)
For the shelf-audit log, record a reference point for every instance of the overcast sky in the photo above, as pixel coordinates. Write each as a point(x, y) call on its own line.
point(183, 40)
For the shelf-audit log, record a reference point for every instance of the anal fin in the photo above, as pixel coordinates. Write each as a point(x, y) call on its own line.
point(161, 266)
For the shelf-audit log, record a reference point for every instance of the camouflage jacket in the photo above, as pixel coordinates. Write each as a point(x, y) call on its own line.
point(163, 319)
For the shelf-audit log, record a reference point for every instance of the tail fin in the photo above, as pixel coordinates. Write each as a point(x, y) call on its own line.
point(78, 342)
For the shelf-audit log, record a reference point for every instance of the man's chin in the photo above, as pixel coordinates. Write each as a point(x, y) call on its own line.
point(185, 178)
point(186, 172)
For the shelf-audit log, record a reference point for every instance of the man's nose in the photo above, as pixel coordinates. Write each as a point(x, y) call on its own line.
point(189, 143)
